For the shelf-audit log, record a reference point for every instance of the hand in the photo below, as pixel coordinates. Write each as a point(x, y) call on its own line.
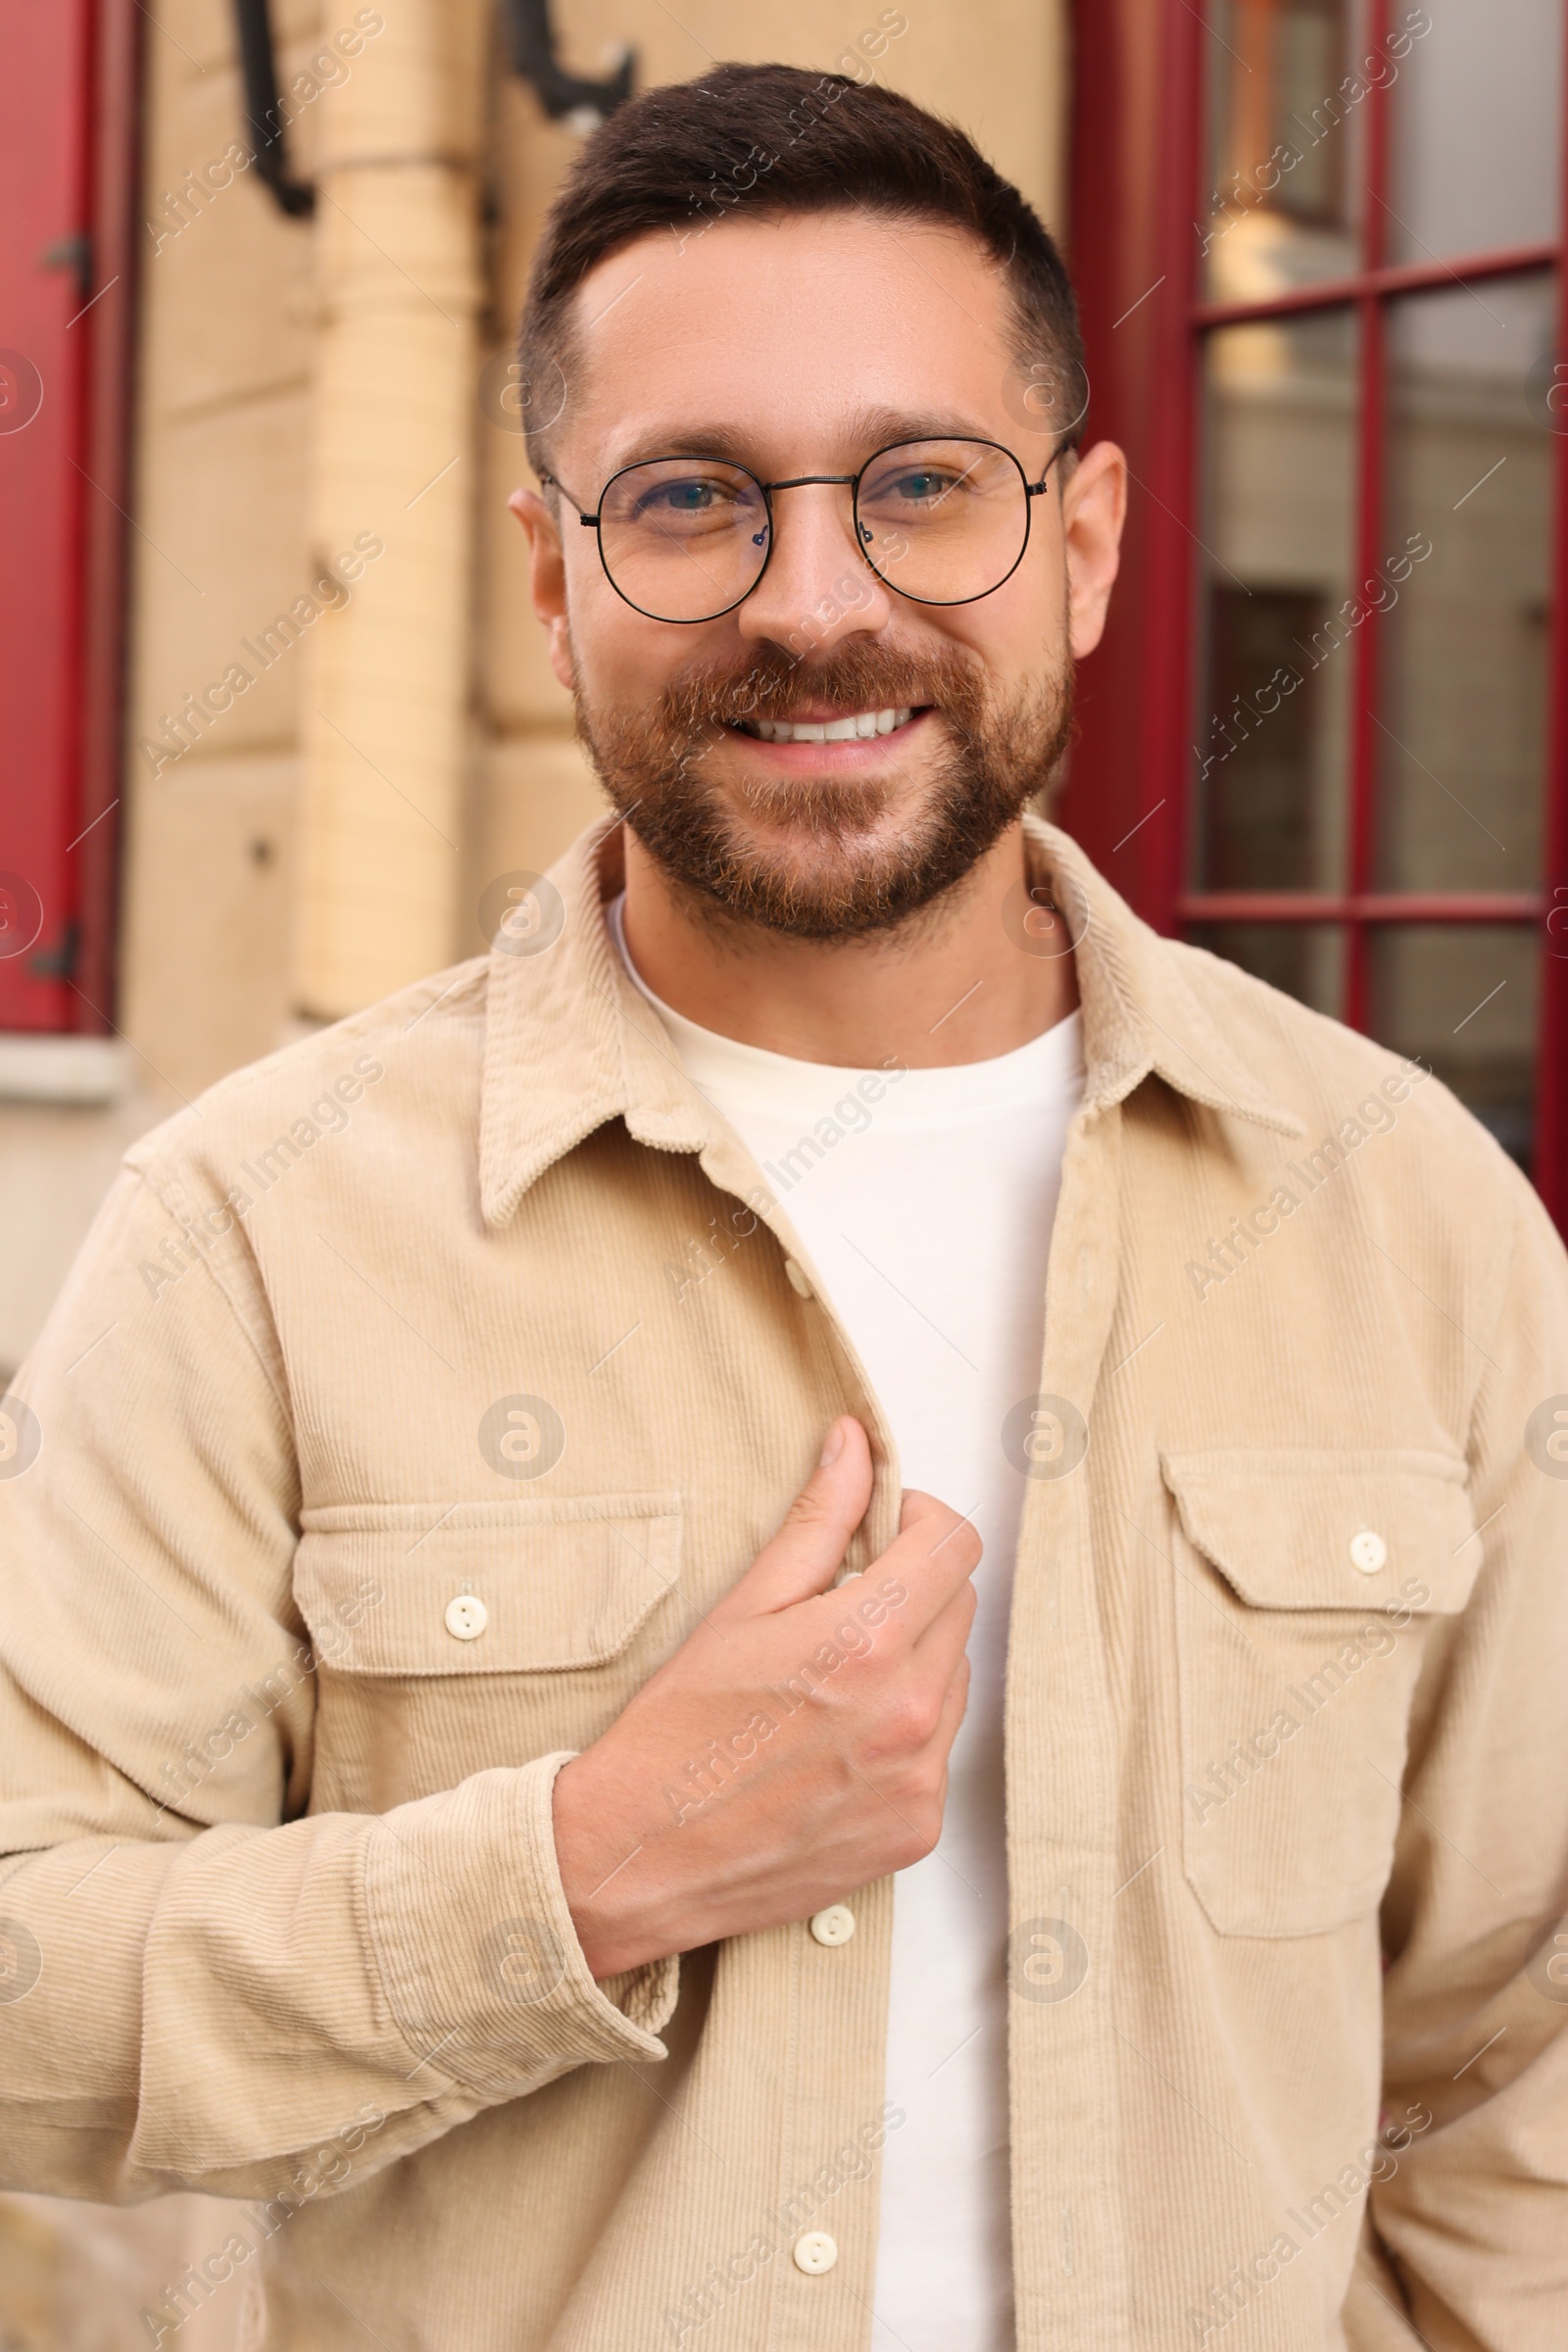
point(794, 1748)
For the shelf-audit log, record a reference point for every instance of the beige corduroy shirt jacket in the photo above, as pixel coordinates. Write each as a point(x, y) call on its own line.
point(415, 1392)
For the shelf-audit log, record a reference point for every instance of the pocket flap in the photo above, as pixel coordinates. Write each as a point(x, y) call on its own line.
point(1302, 1527)
point(557, 1582)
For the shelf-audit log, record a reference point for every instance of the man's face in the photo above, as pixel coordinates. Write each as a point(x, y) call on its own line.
point(799, 347)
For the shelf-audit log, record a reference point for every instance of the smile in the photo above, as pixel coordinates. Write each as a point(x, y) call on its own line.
point(857, 726)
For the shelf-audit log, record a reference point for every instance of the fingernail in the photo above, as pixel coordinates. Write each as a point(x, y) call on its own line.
point(832, 1444)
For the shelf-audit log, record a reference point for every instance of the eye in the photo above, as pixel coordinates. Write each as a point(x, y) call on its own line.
point(691, 498)
point(916, 486)
point(687, 498)
point(675, 500)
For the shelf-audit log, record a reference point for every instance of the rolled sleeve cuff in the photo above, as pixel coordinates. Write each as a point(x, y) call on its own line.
point(475, 1946)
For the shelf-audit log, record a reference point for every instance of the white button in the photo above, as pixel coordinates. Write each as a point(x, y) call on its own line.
point(1369, 1553)
point(467, 1617)
point(814, 2253)
point(835, 1924)
point(799, 1280)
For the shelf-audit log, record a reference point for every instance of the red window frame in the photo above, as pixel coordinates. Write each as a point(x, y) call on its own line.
point(68, 79)
point(1137, 119)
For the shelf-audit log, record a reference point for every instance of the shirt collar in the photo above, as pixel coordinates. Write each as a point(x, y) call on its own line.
point(1141, 1010)
point(571, 1043)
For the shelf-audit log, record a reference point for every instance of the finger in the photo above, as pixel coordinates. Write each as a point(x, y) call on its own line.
point(806, 1553)
point(954, 1707)
point(934, 1554)
point(947, 1637)
point(937, 1526)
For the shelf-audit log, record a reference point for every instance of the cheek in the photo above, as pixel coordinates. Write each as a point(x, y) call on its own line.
point(621, 661)
point(1021, 628)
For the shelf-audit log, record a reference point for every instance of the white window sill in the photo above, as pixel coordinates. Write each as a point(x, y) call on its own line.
point(64, 1069)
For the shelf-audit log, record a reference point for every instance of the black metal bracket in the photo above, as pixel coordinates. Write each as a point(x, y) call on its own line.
point(533, 41)
point(533, 55)
point(264, 114)
point(73, 253)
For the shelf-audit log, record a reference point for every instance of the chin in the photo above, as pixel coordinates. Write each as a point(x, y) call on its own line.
point(821, 889)
point(819, 843)
point(821, 821)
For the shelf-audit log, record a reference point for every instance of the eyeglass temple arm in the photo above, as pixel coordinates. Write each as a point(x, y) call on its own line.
point(551, 481)
point(1034, 489)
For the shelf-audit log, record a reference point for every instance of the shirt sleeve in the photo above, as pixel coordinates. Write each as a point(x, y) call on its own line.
point(1472, 2206)
point(202, 1984)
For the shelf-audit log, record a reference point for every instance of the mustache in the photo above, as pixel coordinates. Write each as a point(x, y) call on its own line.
point(855, 676)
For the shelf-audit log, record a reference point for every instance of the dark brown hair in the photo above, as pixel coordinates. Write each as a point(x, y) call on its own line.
point(773, 139)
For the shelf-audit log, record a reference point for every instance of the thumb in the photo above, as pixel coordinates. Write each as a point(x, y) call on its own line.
point(808, 1551)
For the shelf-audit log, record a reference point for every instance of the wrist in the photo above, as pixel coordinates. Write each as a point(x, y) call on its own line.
point(596, 1856)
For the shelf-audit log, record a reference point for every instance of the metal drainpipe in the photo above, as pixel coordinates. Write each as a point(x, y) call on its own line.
point(386, 674)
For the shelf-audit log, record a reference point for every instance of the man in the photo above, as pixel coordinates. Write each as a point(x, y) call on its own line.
point(460, 1807)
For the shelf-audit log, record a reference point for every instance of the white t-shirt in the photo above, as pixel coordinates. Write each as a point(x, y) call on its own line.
point(929, 1221)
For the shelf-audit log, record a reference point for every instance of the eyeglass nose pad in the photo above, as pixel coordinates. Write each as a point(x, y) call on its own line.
point(759, 538)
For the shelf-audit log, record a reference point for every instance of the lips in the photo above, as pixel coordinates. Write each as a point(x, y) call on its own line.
point(856, 726)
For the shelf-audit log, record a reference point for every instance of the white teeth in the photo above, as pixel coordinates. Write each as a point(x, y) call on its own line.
point(831, 730)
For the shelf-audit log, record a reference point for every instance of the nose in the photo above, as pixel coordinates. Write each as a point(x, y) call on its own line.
point(818, 589)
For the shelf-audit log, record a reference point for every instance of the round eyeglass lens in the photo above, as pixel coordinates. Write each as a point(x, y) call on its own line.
point(943, 521)
point(683, 538)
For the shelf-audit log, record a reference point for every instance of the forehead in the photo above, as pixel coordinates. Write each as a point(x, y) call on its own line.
point(791, 333)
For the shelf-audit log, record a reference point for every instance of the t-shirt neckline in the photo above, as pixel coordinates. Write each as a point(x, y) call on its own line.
point(1045, 1068)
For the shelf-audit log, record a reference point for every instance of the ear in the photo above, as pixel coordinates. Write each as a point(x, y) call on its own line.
point(1094, 507)
point(547, 577)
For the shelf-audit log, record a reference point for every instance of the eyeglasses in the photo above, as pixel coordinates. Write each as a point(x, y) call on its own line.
point(687, 539)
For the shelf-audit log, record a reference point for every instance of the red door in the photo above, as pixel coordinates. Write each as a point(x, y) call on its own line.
point(66, 145)
point(1319, 247)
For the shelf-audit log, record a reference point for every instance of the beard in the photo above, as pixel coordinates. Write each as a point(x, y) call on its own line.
point(810, 857)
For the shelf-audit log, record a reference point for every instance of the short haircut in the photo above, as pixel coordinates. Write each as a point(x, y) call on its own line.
point(768, 141)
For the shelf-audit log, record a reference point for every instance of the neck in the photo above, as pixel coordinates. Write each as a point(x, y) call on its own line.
point(953, 986)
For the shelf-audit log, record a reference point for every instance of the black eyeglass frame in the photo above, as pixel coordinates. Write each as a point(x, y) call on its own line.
point(801, 481)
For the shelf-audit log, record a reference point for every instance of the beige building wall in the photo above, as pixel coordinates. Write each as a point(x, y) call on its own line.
point(299, 384)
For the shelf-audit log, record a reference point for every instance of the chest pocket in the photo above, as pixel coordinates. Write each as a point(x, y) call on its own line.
point(446, 1643)
point(1307, 1586)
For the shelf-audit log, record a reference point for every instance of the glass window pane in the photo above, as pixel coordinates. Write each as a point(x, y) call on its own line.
point(1477, 115)
point(1305, 959)
point(1287, 138)
point(1278, 551)
point(1465, 996)
point(1463, 653)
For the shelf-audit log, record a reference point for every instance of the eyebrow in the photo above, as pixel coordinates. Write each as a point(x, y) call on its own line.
point(867, 429)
